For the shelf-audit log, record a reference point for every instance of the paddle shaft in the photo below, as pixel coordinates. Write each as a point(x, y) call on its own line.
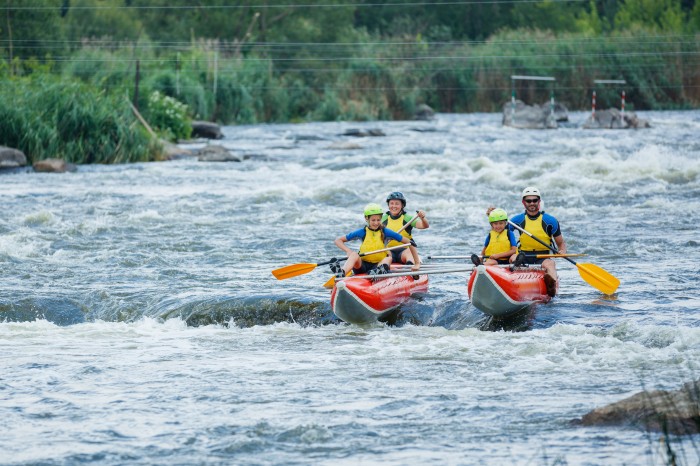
point(538, 256)
point(404, 274)
point(295, 270)
point(383, 250)
point(409, 223)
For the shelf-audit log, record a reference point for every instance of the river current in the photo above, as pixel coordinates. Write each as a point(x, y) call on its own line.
point(140, 323)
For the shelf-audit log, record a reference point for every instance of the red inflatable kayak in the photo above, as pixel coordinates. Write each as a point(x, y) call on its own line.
point(500, 292)
point(363, 301)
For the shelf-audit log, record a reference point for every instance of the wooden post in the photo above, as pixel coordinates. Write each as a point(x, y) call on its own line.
point(177, 74)
point(136, 84)
point(216, 68)
point(9, 37)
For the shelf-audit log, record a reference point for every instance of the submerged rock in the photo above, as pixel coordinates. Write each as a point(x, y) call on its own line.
point(376, 132)
point(676, 412)
point(12, 158)
point(340, 145)
point(216, 153)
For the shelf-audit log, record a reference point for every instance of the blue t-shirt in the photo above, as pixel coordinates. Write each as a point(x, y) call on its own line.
point(388, 234)
point(549, 224)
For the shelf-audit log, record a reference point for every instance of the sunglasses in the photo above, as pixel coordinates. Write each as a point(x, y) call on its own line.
point(532, 201)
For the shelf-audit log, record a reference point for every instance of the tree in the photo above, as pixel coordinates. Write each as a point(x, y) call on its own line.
point(24, 32)
point(657, 15)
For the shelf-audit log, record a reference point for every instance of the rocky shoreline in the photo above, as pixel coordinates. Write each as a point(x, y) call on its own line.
point(675, 412)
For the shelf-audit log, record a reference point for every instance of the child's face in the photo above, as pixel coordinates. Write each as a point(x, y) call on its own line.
point(499, 226)
point(374, 221)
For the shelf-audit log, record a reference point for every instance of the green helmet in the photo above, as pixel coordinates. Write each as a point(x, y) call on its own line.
point(373, 209)
point(497, 215)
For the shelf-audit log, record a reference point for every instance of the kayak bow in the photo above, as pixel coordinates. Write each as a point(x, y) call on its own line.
point(500, 292)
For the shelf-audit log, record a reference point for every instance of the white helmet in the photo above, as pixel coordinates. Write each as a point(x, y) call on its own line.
point(531, 191)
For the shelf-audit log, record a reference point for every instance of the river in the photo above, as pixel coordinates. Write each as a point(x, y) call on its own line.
point(142, 325)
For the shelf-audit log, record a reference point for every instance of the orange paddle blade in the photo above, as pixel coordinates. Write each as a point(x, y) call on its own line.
point(330, 283)
point(293, 270)
point(598, 278)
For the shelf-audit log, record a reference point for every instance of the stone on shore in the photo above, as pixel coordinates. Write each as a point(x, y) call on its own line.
point(424, 112)
point(173, 151)
point(206, 129)
point(12, 158)
point(53, 166)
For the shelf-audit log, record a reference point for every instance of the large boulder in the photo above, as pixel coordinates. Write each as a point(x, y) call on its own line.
point(613, 118)
point(206, 129)
point(12, 158)
point(528, 116)
point(424, 112)
point(676, 412)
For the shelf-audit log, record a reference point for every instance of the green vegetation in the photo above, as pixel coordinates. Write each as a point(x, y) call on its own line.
point(285, 61)
point(47, 117)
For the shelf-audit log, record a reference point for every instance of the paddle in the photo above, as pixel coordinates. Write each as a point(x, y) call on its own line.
point(538, 256)
point(404, 274)
point(595, 276)
point(295, 270)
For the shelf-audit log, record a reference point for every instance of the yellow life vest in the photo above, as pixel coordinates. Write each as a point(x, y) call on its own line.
point(372, 242)
point(396, 224)
point(498, 243)
point(534, 227)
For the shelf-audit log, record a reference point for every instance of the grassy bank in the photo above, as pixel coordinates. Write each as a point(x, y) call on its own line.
point(76, 108)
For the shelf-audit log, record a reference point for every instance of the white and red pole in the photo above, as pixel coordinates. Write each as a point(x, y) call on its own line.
point(623, 103)
point(593, 106)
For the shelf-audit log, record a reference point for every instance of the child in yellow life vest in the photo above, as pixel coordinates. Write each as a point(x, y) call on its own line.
point(374, 237)
point(500, 243)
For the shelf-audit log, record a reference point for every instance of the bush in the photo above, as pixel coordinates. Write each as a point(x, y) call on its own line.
point(168, 117)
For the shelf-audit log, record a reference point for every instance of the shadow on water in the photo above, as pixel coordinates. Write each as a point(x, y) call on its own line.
point(519, 322)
